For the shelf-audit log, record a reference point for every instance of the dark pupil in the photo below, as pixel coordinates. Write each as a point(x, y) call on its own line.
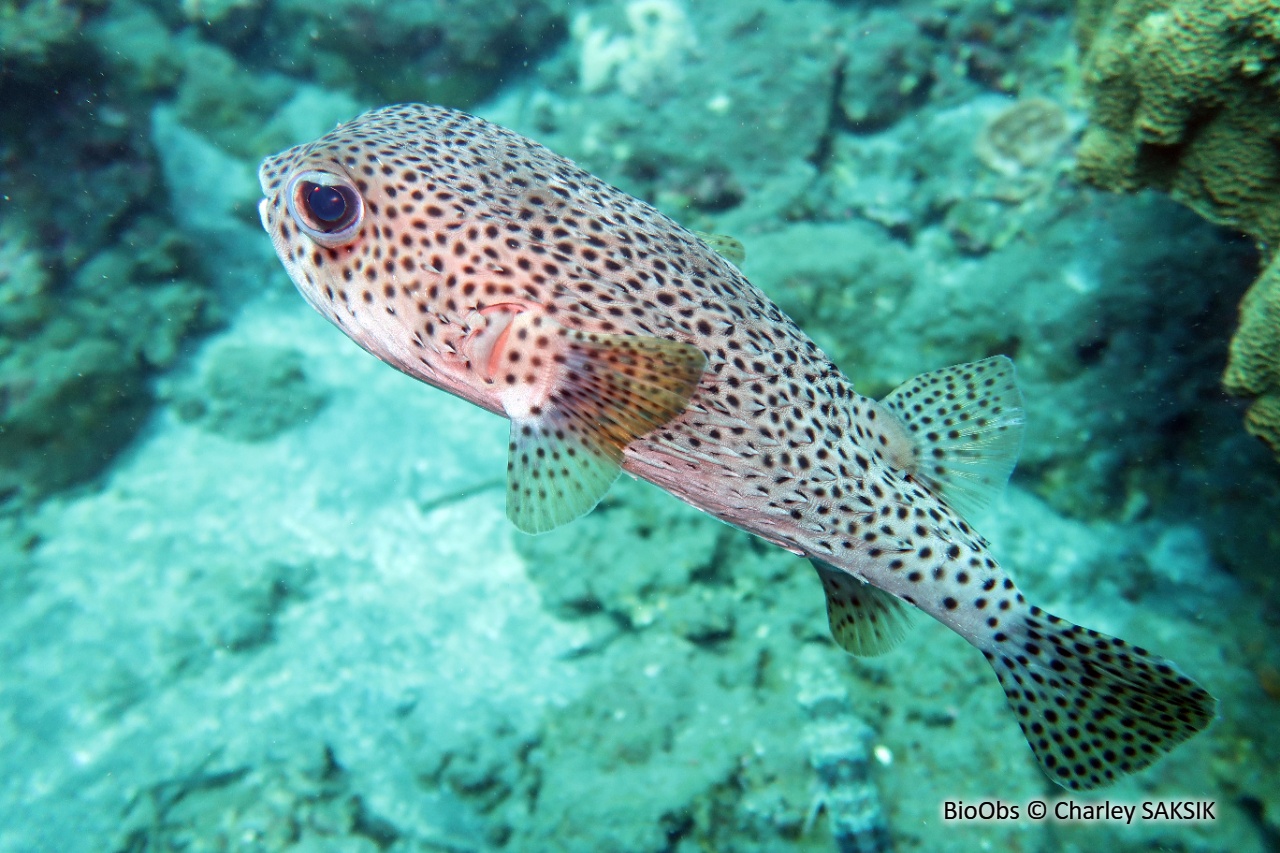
point(326, 203)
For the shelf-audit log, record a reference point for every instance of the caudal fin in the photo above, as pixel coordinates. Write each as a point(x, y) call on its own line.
point(1093, 707)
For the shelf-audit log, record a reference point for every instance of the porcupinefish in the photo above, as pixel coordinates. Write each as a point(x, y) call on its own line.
point(478, 261)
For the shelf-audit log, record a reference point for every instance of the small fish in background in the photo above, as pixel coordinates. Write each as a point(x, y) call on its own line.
point(480, 262)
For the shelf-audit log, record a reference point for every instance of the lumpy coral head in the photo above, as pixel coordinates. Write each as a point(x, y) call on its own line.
point(1182, 98)
point(1254, 367)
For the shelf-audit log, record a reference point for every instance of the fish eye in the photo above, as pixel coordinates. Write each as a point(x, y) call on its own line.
point(328, 204)
point(326, 207)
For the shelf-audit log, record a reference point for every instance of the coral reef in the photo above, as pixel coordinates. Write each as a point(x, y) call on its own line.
point(1182, 98)
point(650, 97)
point(161, 113)
point(334, 638)
point(1016, 264)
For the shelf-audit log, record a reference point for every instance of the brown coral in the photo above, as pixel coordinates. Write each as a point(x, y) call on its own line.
point(1183, 98)
point(1254, 367)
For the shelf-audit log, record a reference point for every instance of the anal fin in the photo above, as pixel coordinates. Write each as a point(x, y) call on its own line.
point(865, 620)
point(607, 391)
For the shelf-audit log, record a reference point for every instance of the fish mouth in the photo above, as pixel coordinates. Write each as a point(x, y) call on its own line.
point(264, 206)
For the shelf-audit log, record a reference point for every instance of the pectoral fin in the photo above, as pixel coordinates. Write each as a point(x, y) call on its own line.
point(606, 391)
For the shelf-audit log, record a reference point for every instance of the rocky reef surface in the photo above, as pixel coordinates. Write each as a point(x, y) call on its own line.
point(258, 591)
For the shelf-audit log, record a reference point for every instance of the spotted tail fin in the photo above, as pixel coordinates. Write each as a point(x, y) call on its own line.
point(1093, 707)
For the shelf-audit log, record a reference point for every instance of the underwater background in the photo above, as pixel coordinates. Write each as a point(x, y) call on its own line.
point(258, 591)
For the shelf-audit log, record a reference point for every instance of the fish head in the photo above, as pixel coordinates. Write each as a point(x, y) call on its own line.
point(380, 227)
point(472, 258)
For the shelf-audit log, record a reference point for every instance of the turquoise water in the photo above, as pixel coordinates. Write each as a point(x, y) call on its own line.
point(259, 591)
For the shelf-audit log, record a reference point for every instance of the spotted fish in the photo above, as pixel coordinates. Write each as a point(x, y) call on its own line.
point(480, 262)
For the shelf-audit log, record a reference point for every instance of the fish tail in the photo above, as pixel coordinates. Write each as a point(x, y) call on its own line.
point(1093, 707)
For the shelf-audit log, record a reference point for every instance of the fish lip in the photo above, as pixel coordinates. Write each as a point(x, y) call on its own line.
point(264, 204)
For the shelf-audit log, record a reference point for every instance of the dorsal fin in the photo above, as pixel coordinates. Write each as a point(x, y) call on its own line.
point(729, 248)
point(965, 423)
point(609, 390)
point(865, 620)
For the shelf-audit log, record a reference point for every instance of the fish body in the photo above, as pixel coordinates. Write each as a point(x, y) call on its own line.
point(480, 262)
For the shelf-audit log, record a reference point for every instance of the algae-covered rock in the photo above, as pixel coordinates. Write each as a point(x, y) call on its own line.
point(98, 284)
point(888, 71)
point(696, 629)
point(249, 393)
point(455, 52)
point(24, 282)
point(302, 804)
point(29, 31)
point(1111, 376)
point(1027, 134)
point(64, 411)
point(138, 46)
point(223, 100)
point(1182, 97)
point(674, 582)
point(694, 105)
point(77, 350)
